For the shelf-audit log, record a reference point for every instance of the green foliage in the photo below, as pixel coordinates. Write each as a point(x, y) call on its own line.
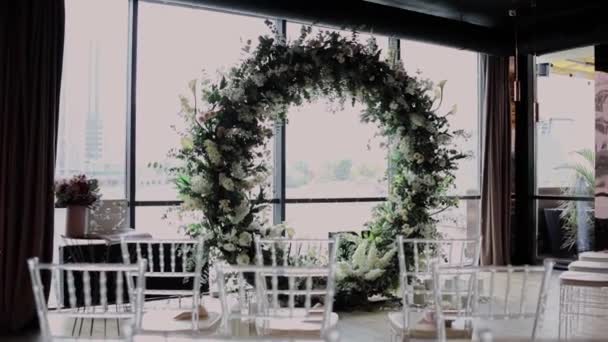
point(223, 166)
point(583, 184)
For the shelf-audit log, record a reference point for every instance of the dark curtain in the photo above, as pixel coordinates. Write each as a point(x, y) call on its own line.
point(496, 154)
point(31, 52)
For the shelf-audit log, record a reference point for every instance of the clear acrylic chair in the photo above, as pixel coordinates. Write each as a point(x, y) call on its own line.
point(170, 260)
point(91, 290)
point(583, 305)
point(416, 257)
point(296, 252)
point(465, 297)
point(284, 300)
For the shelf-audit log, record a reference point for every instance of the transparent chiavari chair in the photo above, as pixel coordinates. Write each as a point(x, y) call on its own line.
point(583, 305)
point(296, 252)
point(416, 257)
point(469, 297)
point(285, 300)
point(86, 301)
point(172, 261)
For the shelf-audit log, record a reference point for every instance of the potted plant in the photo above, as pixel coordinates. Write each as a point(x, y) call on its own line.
point(78, 194)
point(577, 216)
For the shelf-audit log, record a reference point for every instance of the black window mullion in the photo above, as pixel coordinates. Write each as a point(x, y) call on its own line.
point(279, 153)
point(131, 110)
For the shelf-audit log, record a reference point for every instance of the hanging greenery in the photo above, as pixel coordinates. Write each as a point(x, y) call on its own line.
point(223, 160)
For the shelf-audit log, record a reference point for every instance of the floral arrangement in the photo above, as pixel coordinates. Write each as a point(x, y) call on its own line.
point(223, 160)
point(78, 191)
point(360, 270)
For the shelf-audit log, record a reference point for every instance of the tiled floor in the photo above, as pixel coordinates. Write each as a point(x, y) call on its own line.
point(374, 326)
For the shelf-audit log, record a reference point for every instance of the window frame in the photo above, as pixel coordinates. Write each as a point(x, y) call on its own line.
point(279, 199)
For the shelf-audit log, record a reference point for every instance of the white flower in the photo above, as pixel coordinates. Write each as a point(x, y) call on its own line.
point(245, 239)
point(393, 105)
point(191, 203)
point(209, 235)
point(444, 139)
point(225, 205)
point(243, 259)
point(290, 232)
point(214, 154)
point(343, 270)
point(235, 94)
point(359, 257)
point(417, 119)
point(240, 212)
point(373, 274)
point(254, 226)
point(237, 171)
point(258, 79)
point(200, 185)
point(229, 247)
point(226, 182)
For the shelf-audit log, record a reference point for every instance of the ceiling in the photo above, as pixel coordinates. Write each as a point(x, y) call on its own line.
point(488, 13)
point(541, 26)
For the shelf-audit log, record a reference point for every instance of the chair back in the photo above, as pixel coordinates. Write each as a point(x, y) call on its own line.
point(296, 252)
point(89, 288)
point(491, 293)
point(416, 257)
point(280, 292)
point(170, 259)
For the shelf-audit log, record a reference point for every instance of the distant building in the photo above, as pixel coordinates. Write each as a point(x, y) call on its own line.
point(94, 123)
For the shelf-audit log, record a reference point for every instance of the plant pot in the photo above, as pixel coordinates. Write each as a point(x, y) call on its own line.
point(76, 221)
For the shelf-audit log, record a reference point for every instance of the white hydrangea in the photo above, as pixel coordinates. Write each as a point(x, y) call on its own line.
point(200, 185)
point(191, 203)
point(254, 226)
point(373, 274)
point(243, 259)
point(258, 79)
point(240, 212)
point(226, 182)
point(212, 151)
point(237, 171)
point(417, 120)
point(245, 239)
point(229, 247)
point(225, 205)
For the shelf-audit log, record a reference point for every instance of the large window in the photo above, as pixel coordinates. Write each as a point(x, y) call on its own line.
point(459, 69)
point(195, 43)
point(92, 120)
point(565, 152)
point(335, 165)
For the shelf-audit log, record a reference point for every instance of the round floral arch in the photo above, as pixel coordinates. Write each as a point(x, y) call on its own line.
point(223, 158)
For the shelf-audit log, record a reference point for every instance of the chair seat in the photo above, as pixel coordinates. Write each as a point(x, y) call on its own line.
point(594, 256)
point(164, 320)
point(588, 279)
point(589, 266)
point(425, 330)
point(307, 327)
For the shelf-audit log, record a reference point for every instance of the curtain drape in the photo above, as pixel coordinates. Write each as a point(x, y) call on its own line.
point(31, 53)
point(496, 167)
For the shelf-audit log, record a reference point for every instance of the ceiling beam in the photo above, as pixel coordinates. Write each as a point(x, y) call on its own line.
point(582, 26)
point(371, 18)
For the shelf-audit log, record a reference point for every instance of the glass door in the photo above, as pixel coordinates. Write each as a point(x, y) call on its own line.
point(565, 153)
